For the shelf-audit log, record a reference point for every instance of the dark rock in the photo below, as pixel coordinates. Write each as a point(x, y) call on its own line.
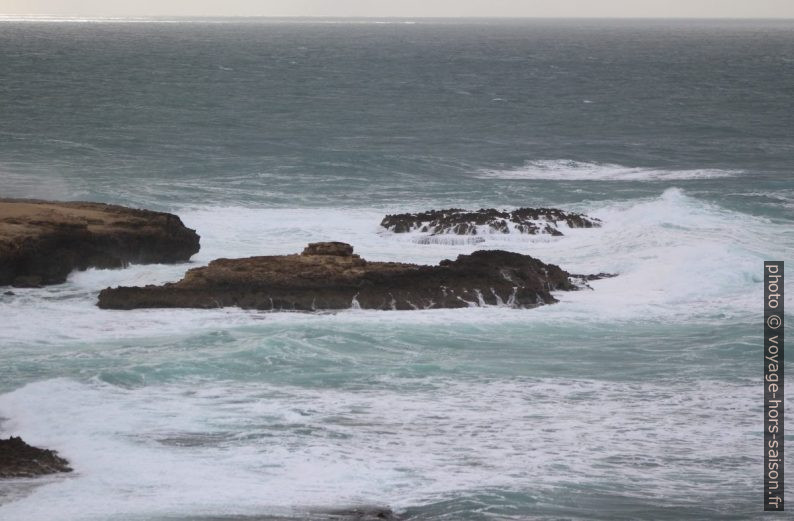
point(582, 280)
point(42, 242)
point(363, 514)
point(457, 221)
point(597, 276)
point(27, 281)
point(340, 249)
point(9, 293)
point(20, 460)
point(313, 282)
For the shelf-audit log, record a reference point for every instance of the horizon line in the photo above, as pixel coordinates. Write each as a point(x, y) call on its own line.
point(57, 17)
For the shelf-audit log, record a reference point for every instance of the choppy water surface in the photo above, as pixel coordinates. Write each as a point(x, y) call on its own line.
point(639, 399)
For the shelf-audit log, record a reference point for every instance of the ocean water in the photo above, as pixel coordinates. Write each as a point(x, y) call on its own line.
point(640, 399)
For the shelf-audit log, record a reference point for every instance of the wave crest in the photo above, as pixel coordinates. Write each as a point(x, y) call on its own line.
point(569, 170)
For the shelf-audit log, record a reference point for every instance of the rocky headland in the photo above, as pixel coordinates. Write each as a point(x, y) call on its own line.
point(457, 221)
point(329, 275)
point(41, 242)
point(20, 460)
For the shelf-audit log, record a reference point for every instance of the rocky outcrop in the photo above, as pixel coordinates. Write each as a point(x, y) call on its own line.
point(456, 221)
point(339, 249)
point(20, 460)
point(42, 242)
point(330, 276)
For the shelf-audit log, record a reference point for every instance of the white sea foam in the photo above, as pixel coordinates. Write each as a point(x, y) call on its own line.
point(567, 170)
point(678, 259)
point(162, 450)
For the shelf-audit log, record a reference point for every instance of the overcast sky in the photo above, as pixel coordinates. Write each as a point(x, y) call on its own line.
point(406, 8)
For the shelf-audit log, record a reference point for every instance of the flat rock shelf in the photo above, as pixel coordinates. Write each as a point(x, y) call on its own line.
point(41, 242)
point(329, 275)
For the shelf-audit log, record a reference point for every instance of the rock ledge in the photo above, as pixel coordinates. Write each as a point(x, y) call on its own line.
point(41, 242)
point(329, 276)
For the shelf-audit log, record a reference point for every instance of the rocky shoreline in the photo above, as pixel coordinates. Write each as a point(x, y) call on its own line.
point(20, 460)
point(329, 276)
point(41, 242)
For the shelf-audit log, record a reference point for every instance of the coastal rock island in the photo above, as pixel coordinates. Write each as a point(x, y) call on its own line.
point(20, 460)
point(328, 275)
point(41, 242)
point(457, 221)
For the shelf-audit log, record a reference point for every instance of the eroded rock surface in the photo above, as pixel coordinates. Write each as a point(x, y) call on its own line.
point(20, 460)
point(330, 276)
point(41, 242)
point(458, 221)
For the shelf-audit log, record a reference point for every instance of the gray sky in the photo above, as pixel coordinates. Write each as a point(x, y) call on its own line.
point(406, 8)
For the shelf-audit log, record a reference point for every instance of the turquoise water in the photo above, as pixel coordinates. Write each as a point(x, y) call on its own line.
point(640, 399)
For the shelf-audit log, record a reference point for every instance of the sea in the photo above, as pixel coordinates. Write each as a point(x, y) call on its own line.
point(640, 398)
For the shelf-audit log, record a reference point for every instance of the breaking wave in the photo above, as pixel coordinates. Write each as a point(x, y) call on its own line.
point(568, 170)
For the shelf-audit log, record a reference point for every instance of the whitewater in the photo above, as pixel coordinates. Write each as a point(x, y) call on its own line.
point(638, 398)
point(252, 398)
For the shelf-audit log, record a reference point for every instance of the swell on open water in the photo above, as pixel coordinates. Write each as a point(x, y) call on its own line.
point(640, 399)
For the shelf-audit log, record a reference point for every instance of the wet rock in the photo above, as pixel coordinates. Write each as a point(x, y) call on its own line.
point(582, 280)
point(317, 281)
point(596, 276)
point(20, 460)
point(457, 221)
point(41, 242)
point(362, 514)
point(340, 249)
